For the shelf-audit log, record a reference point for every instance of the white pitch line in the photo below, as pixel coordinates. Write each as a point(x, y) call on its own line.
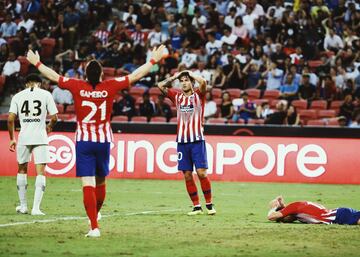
point(83, 218)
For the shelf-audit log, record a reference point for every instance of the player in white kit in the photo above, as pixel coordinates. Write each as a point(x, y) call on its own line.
point(31, 106)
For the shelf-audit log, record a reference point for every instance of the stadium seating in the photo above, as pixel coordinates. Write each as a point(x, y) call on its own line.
point(173, 120)
point(158, 119)
point(168, 101)
point(318, 105)
point(333, 122)
point(299, 104)
point(139, 119)
point(2, 82)
point(253, 93)
point(47, 47)
point(271, 94)
point(120, 118)
point(67, 117)
point(306, 115)
point(234, 92)
point(109, 72)
point(318, 123)
point(4, 116)
point(70, 109)
point(256, 121)
point(218, 101)
point(60, 108)
point(24, 65)
point(259, 102)
point(240, 121)
point(155, 92)
point(137, 91)
point(216, 93)
point(273, 103)
point(326, 114)
point(216, 121)
point(335, 105)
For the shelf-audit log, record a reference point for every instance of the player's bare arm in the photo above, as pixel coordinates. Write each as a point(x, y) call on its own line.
point(52, 123)
point(11, 128)
point(34, 59)
point(200, 80)
point(166, 83)
point(144, 69)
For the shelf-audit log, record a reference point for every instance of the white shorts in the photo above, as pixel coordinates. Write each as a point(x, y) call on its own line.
point(40, 152)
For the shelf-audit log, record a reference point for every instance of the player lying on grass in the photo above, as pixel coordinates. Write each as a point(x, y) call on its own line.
point(311, 213)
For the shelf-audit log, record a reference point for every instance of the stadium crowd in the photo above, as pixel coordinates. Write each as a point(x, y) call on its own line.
point(272, 62)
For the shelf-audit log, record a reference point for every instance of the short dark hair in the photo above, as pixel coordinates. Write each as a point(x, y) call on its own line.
point(186, 74)
point(33, 77)
point(93, 72)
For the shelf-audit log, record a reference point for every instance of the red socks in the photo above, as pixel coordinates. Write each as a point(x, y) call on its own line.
point(192, 191)
point(100, 192)
point(206, 188)
point(90, 205)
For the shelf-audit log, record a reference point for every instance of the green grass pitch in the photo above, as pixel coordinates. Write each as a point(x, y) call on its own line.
point(147, 218)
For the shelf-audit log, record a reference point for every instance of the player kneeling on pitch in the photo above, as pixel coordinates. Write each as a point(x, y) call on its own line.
point(311, 213)
point(31, 106)
point(191, 145)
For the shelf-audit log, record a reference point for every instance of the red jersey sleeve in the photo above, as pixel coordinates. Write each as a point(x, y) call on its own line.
point(67, 83)
point(120, 83)
point(171, 93)
point(290, 209)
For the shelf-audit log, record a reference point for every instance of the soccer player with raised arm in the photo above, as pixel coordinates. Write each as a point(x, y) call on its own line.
point(190, 135)
point(31, 105)
point(93, 100)
point(311, 213)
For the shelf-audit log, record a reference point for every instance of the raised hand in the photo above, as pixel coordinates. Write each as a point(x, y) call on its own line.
point(157, 53)
point(32, 57)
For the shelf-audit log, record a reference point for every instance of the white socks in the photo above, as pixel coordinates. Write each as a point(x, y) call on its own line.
point(40, 184)
point(21, 182)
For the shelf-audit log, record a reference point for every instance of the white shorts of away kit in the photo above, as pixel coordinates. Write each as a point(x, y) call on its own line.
point(40, 153)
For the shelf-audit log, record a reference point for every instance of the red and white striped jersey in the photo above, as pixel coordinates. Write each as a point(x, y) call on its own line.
point(190, 115)
point(103, 36)
point(308, 212)
point(93, 106)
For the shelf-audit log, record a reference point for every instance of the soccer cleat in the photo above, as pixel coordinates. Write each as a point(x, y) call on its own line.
point(37, 213)
point(197, 210)
point(210, 209)
point(21, 209)
point(93, 233)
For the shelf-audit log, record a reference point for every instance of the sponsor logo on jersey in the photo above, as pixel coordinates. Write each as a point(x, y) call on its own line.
point(187, 108)
point(31, 120)
point(94, 94)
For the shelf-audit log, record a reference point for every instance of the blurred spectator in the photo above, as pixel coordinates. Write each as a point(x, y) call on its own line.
point(251, 70)
point(126, 106)
point(188, 58)
point(4, 55)
point(233, 73)
point(199, 21)
point(157, 37)
point(229, 38)
point(292, 117)
point(202, 72)
point(333, 42)
point(163, 109)
point(102, 34)
point(213, 44)
point(327, 89)
point(14, 8)
point(138, 36)
point(210, 107)
point(239, 29)
point(226, 108)
point(11, 71)
point(26, 22)
point(245, 111)
point(347, 108)
point(219, 78)
point(279, 116)
point(289, 89)
point(147, 107)
point(33, 7)
point(306, 90)
point(230, 18)
point(273, 76)
point(263, 110)
point(8, 27)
